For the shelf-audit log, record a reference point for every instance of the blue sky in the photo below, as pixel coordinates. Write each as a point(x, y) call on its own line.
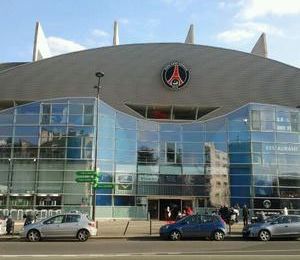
point(72, 25)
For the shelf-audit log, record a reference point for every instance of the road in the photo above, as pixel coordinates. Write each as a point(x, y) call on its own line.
point(151, 248)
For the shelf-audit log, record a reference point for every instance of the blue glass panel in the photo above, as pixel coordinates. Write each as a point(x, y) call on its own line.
point(193, 169)
point(240, 180)
point(241, 125)
point(264, 169)
point(169, 127)
point(26, 141)
point(216, 137)
point(243, 191)
point(170, 136)
point(148, 168)
point(269, 158)
point(29, 109)
point(105, 166)
point(88, 119)
point(59, 108)
point(128, 156)
point(148, 136)
point(105, 154)
point(192, 158)
point(239, 136)
point(124, 201)
point(240, 158)
point(26, 131)
point(288, 137)
point(147, 146)
point(27, 119)
point(103, 200)
point(106, 110)
point(263, 137)
point(193, 127)
point(171, 168)
point(106, 122)
point(266, 192)
point(216, 125)
point(6, 119)
point(58, 119)
point(265, 180)
point(193, 147)
point(240, 201)
point(75, 119)
point(193, 137)
point(126, 167)
point(6, 131)
point(106, 143)
point(124, 144)
point(147, 125)
point(240, 170)
point(257, 147)
point(123, 121)
point(125, 134)
point(53, 130)
point(80, 131)
point(288, 159)
point(241, 114)
point(221, 147)
point(239, 147)
point(75, 109)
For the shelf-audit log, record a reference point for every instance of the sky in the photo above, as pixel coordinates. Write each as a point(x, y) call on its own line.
point(73, 25)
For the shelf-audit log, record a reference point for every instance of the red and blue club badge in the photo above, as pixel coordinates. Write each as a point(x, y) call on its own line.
point(175, 75)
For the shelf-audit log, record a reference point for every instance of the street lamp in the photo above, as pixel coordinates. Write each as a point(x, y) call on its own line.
point(99, 75)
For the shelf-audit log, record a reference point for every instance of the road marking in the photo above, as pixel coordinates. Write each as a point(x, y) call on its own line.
point(203, 253)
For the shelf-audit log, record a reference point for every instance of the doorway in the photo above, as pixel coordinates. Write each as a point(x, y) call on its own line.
point(175, 207)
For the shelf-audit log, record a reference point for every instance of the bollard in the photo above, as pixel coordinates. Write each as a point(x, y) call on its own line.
point(126, 228)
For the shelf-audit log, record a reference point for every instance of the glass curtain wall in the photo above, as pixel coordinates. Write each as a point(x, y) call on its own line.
point(250, 156)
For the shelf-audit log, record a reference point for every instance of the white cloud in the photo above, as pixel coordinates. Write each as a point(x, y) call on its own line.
point(245, 31)
point(99, 33)
point(259, 8)
point(235, 35)
point(60, 46)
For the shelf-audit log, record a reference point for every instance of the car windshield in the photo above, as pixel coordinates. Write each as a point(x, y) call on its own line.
point(186, 218)
point(271, 218)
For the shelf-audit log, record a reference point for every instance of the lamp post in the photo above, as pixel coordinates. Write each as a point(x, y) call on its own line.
point(99, 75)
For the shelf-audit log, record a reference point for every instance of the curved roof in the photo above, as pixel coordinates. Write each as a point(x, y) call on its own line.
point(219, 77)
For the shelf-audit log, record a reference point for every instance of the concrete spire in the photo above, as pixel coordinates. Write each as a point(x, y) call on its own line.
point(260, 47)
point(116, 34)
point(40, 46)
point(190, 38)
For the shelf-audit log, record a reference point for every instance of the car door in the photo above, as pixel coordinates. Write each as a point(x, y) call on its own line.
point(205, 226)
point(52, 226)
point(281, 227)
point(294, 226)
point(70, 225)
point(190, 226)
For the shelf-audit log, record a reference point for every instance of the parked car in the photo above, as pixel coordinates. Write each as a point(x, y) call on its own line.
point(2, 226)
point(211, 226)
point(71, 225)
point(280, 226)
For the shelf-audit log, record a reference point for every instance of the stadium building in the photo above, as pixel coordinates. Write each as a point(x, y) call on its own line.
point(179, 125)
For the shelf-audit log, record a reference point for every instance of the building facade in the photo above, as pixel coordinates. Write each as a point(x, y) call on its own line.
point(180, 125)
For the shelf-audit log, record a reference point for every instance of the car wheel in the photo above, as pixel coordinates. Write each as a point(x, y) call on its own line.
point(33, 235)
point(175, 235)
point(218, 235)
point(82, 235)
point(264, 235)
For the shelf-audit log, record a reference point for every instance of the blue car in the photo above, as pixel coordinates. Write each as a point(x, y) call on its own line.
point(194, 226)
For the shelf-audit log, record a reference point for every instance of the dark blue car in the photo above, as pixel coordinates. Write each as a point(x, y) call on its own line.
point(194, 226)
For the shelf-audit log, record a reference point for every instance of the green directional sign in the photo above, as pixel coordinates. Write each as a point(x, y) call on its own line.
point(83, 179)
point(92, 177)
point(105, 185)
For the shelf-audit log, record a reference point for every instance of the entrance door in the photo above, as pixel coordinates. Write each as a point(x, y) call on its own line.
point(153, 209)
point(173, 204)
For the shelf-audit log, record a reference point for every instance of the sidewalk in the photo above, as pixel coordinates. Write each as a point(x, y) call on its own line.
point(126, 229)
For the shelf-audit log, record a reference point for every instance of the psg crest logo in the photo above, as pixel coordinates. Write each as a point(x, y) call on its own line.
point(175, 75)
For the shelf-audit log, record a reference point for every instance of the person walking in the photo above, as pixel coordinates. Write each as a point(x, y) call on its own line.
point(285, 211)
point(9, 226)
point(245, 215)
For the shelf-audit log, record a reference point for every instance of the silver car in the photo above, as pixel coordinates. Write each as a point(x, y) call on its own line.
point(281, 226)
point(71, 225)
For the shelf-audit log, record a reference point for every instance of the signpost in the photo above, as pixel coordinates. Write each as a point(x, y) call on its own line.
point(92, 177)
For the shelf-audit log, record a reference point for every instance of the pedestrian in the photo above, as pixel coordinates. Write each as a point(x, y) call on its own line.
point(9, 225)
point(245, 215)
point(168, 213)
point(28, 219)
point(285, 211)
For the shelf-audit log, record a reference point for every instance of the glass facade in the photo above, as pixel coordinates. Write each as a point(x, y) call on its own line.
point(250, 156)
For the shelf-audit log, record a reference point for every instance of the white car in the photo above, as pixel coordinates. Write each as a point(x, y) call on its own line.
point(71, 225)
point(2, 227)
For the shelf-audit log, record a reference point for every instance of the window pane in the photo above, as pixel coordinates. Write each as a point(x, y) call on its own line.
point(29, 109)
point(123, 121)
point(75, 109)
point(27, 119)
point(26, 131)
